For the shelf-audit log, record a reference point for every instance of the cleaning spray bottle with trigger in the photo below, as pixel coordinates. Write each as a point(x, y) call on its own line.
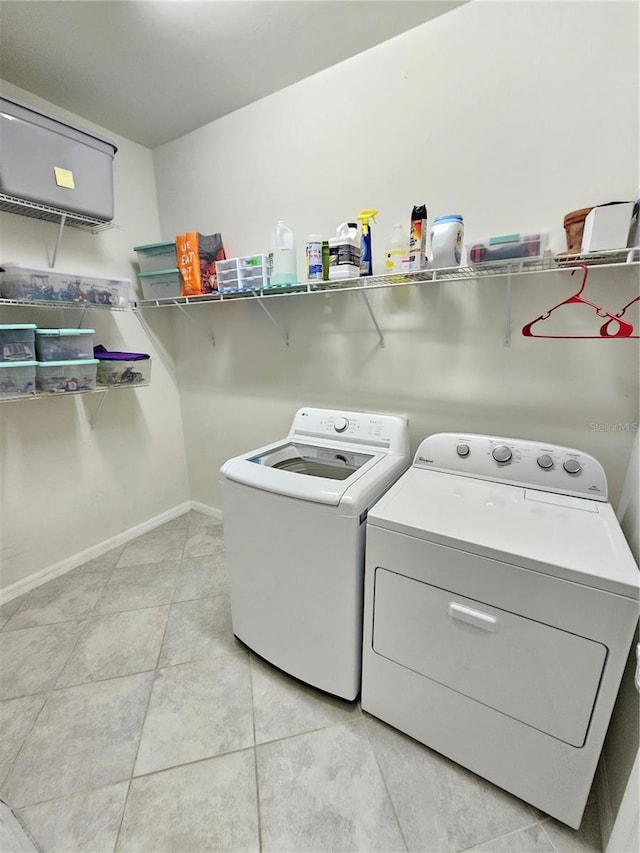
point(366, 263)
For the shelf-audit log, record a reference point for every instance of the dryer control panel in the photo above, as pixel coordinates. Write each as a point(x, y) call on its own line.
point(514, 461)
point(374, 430)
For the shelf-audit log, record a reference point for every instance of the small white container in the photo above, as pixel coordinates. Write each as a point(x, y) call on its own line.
point(607, 227)
point(447, 233)
point(250, 272)
point(344, 253)
point(314, 257)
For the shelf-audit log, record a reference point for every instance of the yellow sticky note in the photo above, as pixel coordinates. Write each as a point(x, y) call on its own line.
point(64, 178)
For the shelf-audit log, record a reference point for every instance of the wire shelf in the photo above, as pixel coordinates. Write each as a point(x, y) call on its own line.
point(34, 303)
point(34, 210)
point(608, 260)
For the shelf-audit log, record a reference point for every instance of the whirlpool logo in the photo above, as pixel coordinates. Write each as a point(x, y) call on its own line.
point(425, 460)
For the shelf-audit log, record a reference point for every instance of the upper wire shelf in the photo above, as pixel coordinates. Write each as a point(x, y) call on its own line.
point(35, 210)
point(517, 267)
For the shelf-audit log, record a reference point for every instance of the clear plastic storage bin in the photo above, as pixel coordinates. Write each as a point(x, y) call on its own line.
point(43, 284)
point(66, 377)
point(120, 374)
point(64, 344)
point(157, 257)
point(511, 247)
point(246, 273)
point(163, 284)
point(17, 379)
point(17, 342)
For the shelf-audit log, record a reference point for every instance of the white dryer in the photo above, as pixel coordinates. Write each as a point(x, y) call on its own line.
point(501, 601)
point(294, 530)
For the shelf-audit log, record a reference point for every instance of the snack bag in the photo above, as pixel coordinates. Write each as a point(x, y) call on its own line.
point(197, 255)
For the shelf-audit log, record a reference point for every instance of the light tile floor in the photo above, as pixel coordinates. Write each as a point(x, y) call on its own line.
point(133, 720)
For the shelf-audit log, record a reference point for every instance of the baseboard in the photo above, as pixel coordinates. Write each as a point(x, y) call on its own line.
point(60, 568)
point(205, 509)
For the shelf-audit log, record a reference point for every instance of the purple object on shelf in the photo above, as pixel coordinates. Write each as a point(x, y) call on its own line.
point(101, 353)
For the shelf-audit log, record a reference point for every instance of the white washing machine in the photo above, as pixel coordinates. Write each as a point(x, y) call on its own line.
point(294, 530)
point(501, 601)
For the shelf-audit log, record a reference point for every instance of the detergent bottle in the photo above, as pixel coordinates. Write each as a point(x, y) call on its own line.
point(396, 250)
point(344, 253)
point(364, 217)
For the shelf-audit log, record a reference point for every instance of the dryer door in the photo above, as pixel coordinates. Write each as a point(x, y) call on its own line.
point(543, 676)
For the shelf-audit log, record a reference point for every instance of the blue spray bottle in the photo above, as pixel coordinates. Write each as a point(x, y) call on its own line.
point(366, 264)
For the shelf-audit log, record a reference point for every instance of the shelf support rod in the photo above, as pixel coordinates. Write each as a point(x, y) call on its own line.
point(373, 318)
point(63, 220)
point(94, 417)
point(186, 314)
point(283, 333)
point(507, 328)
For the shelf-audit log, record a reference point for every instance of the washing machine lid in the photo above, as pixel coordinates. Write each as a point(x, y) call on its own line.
point(330, 457)
point(576, 539)
point(322, 473)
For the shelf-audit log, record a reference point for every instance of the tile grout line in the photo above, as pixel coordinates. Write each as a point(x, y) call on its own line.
point(255, 754)
point(506, 835)
point(121, 821)
point(384, 782)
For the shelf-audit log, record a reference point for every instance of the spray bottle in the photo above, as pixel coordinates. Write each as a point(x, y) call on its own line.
point(366, 264)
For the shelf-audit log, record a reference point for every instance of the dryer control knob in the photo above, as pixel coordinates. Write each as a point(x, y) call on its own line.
point(572, 466)
point(463, 449)
point(340, 424)
point(545, 461)
point(501, 453)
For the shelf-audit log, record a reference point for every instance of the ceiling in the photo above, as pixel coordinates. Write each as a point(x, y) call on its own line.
point(153, 70)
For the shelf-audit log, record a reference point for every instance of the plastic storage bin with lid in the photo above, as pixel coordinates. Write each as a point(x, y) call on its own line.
point(17, 379)
point(17, 342)
point(64, 344)
point(162, 284)
point(157, 256)
point(66, 377)
point(44, 284)
point(122, 369)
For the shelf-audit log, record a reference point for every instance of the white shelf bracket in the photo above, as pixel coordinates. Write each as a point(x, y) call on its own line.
point(94, 417)
point(373, 318)
point(189, 317)
point(63, 219)
point(283, 333)
point(507, 322)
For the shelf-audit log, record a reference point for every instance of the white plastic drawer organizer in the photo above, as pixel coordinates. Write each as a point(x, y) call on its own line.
point(501, 601)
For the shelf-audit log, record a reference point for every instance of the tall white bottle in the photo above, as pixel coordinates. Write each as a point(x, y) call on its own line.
point(396, 250)
point(282, 255)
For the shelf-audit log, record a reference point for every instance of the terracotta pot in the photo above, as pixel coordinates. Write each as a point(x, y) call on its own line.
point(574, 226)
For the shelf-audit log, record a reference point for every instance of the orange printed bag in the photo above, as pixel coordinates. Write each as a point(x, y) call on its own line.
point(197, 255)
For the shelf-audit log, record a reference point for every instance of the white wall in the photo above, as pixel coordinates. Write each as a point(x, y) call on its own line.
point(511, 114)
point(65, 487)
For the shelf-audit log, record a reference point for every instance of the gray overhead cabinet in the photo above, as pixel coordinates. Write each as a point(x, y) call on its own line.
point(49, 162)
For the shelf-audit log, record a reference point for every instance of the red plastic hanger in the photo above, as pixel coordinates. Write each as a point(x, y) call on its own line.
point(625, 329)
point(604, 331)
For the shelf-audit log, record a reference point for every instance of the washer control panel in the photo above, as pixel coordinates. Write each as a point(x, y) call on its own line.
point(514, 461)
point(375, 430)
